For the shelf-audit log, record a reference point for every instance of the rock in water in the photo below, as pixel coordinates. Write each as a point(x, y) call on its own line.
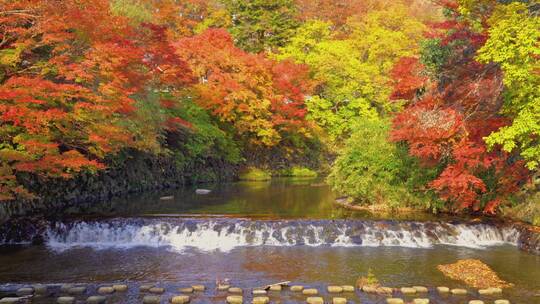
point(407, 290)
point(275, 288)
point(260, 300)
point(65, 300)
point(78, 290)
point(315, 300)
point(120, 287)
point(458, 291)
point(235, 290)
point(146, 287)
point(151, 300)
point(443, 289)
point(186, 290)
point(167, 198)
point(339, 301)
point(157, 290)
point(180, 300)
point(335, 289)
point(259, 292)
point(420, 289)
point(198, 287)
point(297, 288)
point(502, 301)
point(105, 290)
point(348, 288)
point(40, 289)
point(202, 191)
point(10, 300)
point(421, 301)
point(96, 300)
point(310, 292)
point(25, 291)
point(394, 301)
point(235, 299)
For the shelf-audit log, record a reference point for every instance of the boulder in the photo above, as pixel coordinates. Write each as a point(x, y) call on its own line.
point(348, 288)
point(77, 290)
point(335, 289)
point(458, 291)
point(180, 299)
point(297, 288)
point(198, 287)
point(310, 292)
point(407, 290)
point(157, 290)
point(315, 300)
point(65, 300)
point(96, 300)
point(260, 300)
point(120, 287)
point(235, 299)
point(151, 300)
point(105, 290)
point(443, 289)
point(394, 301)
point(235, 290)
point(338, 300)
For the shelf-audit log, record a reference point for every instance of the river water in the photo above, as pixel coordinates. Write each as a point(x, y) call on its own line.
point(259, 233)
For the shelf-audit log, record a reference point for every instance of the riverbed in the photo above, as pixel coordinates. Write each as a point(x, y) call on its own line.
point(258, 233)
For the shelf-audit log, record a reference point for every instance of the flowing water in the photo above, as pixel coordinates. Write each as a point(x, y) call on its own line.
point(260, 233)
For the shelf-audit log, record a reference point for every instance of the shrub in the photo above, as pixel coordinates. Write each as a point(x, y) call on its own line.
point(254, 174)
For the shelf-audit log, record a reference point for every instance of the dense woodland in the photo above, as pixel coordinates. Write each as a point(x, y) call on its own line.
point(430, 104)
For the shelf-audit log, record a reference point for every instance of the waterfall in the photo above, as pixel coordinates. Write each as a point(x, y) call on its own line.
point(226, 234)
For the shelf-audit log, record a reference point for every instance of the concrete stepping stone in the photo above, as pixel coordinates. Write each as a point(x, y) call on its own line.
point(338, 300)
point(180, 299)
point(66, 287)
point(77, 290)
point(223, 287)
point(495, 290)
point(501, 301)
point(407, 290)
point(10, 300)
point(348, 288)
point(105, 290)
point(369, 289)
point(25, 291)
point(186, 290)
point(157, 290)
point(394, 301)
point(120, 287)
point(335, 289)
point(259, 292)
point(443, 289)
point(421, 289)
point(275, 288)
point(260, 300)
point(421, 301)
point(384, 291)
point(476, 302)
point(151, 299)
point(315, 300)
point(145, 287)
point(198, 287)
point(310, 292)
point(235, 299)
point(40, 289)
point(297, 288)
point(236, 290)
point(65, 300)
point(96, 299)
point(458, 291)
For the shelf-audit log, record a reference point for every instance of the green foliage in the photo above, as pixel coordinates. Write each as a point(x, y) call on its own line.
point(514, 44)
point(259, 25)
point(371, 278)
point(254, 174)
point(373, 170)
point(136, 10)
point(434, 56)
point(300, 172)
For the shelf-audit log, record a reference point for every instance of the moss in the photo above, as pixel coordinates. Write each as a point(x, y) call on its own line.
point(302, 172)
point(254, 174)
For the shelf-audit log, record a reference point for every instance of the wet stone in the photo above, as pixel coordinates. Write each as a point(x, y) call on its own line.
point(443, 289)
point(96, 300)
point(105, 290)
point(151, 300)
point(180, 299)
point(260, 300)
point(348, 288)
point(501, 301)
point(420, 289)
point(235, 290)
point(259, 292)
point(335, 289)
point(120, 287)
point(10, 300)
point(339, 300)
point(186, 290)
point(66, 287)
point(275, 288)
point(297, 288)
point(485, 292)
point(407, 290)
point(394, 301)
point(77, 290)
point(65, 300)
point(25, 291)
point(310, 291)
point(40, 289)
point(458, 291)
point(476, 302)
point(315, 300)
point(198, 287)
point(421, 301)
point(223, 287)
point(495, 290)
point(235, 299)
point(157, 290)
point(144, 288)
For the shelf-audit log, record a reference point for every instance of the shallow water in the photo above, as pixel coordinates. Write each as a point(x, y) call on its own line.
point(256, 234)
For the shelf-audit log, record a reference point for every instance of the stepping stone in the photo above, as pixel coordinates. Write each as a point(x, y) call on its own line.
point(40, 289)
point(235, 299)
point(235, 290)
point(66, 287)
point(458, 291)
point(259, 292)
point(476, 302)
point(260, 300)
point(10, 300)
point(186, 290)
point(394, 301)
point(443, 289)
point(223, 287)
point(495, 290)
point(407, 290)
point(421, 301)
point(369, 289)
point(120, 287)
point(420, 288)
point(157, 290)
point(339, 300)
point(297, 288)
point(96, 300)
point(65, 300)
point(25, 291)
point(198, 287)
point(348, 288)
point(151, 300)
point(310, 292)
point(502, 301)
point(335, 289)
point(275, 288)
point(315, 300)
point(105, 290)
point(485, 292)
point(384, 290)
point(180, 299)
point(146, 287)
point(78, 290)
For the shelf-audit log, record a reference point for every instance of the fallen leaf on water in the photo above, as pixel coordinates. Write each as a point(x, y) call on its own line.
point(474, 273)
